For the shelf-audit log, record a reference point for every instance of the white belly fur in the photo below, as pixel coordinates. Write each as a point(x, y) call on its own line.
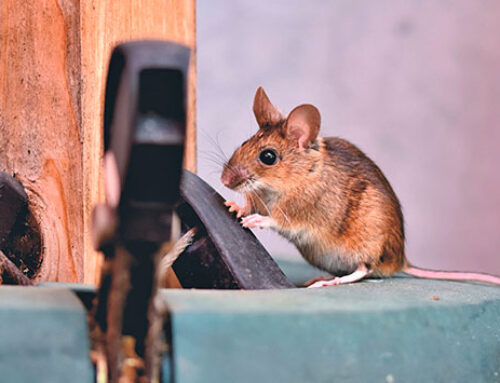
point(334, 260)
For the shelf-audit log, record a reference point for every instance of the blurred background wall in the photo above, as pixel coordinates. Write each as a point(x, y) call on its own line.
point(416, 85)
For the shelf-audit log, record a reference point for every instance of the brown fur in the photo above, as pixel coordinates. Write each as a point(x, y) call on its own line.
point(325, 194)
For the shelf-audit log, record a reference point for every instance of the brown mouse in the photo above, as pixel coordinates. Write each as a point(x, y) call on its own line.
point(324, 195)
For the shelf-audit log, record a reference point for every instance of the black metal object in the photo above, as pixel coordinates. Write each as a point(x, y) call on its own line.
point(223, 254)
point(144, 126)
point(144, 131)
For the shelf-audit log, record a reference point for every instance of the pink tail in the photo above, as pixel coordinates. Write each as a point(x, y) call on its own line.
point(451, 275)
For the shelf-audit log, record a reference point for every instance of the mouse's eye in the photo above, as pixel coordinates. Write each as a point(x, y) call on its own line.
point(268, 157)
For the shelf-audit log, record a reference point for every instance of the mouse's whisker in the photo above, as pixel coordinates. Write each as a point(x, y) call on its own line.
point(213, 162)
point(214, 172)
point(212, 155)
point(262, 202)
point(216, 144)
point(284, 215)
point(219, 147)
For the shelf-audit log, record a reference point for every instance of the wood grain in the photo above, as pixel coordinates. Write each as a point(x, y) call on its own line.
point(39, 124)
point(53, 66)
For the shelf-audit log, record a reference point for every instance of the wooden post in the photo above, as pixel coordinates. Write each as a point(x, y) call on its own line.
point(53, 61)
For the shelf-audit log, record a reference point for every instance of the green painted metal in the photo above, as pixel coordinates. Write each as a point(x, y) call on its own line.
point(393, 330)
point(43, 336)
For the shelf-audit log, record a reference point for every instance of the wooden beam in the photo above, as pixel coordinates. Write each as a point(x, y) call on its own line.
point(40, 130)
point(104, 24)
point(53, 62)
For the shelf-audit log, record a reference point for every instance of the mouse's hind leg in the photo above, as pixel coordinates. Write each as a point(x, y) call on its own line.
point(361, 272)
point(317, 279)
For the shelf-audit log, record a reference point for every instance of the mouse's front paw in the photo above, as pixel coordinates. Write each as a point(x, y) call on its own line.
point(241, 211)
point(257, 220)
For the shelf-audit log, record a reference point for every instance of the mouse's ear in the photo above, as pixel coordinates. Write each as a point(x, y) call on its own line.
point(265, 112)
point(303, 125)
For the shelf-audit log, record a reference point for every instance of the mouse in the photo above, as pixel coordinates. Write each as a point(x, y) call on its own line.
point(324, 195)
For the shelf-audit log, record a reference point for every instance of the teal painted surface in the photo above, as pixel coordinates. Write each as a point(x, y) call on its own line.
point(381, 331)
point(387, 331)
point(43, 336)
point(299, 272)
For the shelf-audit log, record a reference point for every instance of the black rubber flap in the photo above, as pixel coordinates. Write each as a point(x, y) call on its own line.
point(223, 255)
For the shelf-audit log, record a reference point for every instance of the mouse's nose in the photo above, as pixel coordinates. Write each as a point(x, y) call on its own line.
point(226, 177)
point(234, 176)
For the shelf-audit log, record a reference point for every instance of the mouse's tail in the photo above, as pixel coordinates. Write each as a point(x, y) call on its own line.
point(451, 275)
